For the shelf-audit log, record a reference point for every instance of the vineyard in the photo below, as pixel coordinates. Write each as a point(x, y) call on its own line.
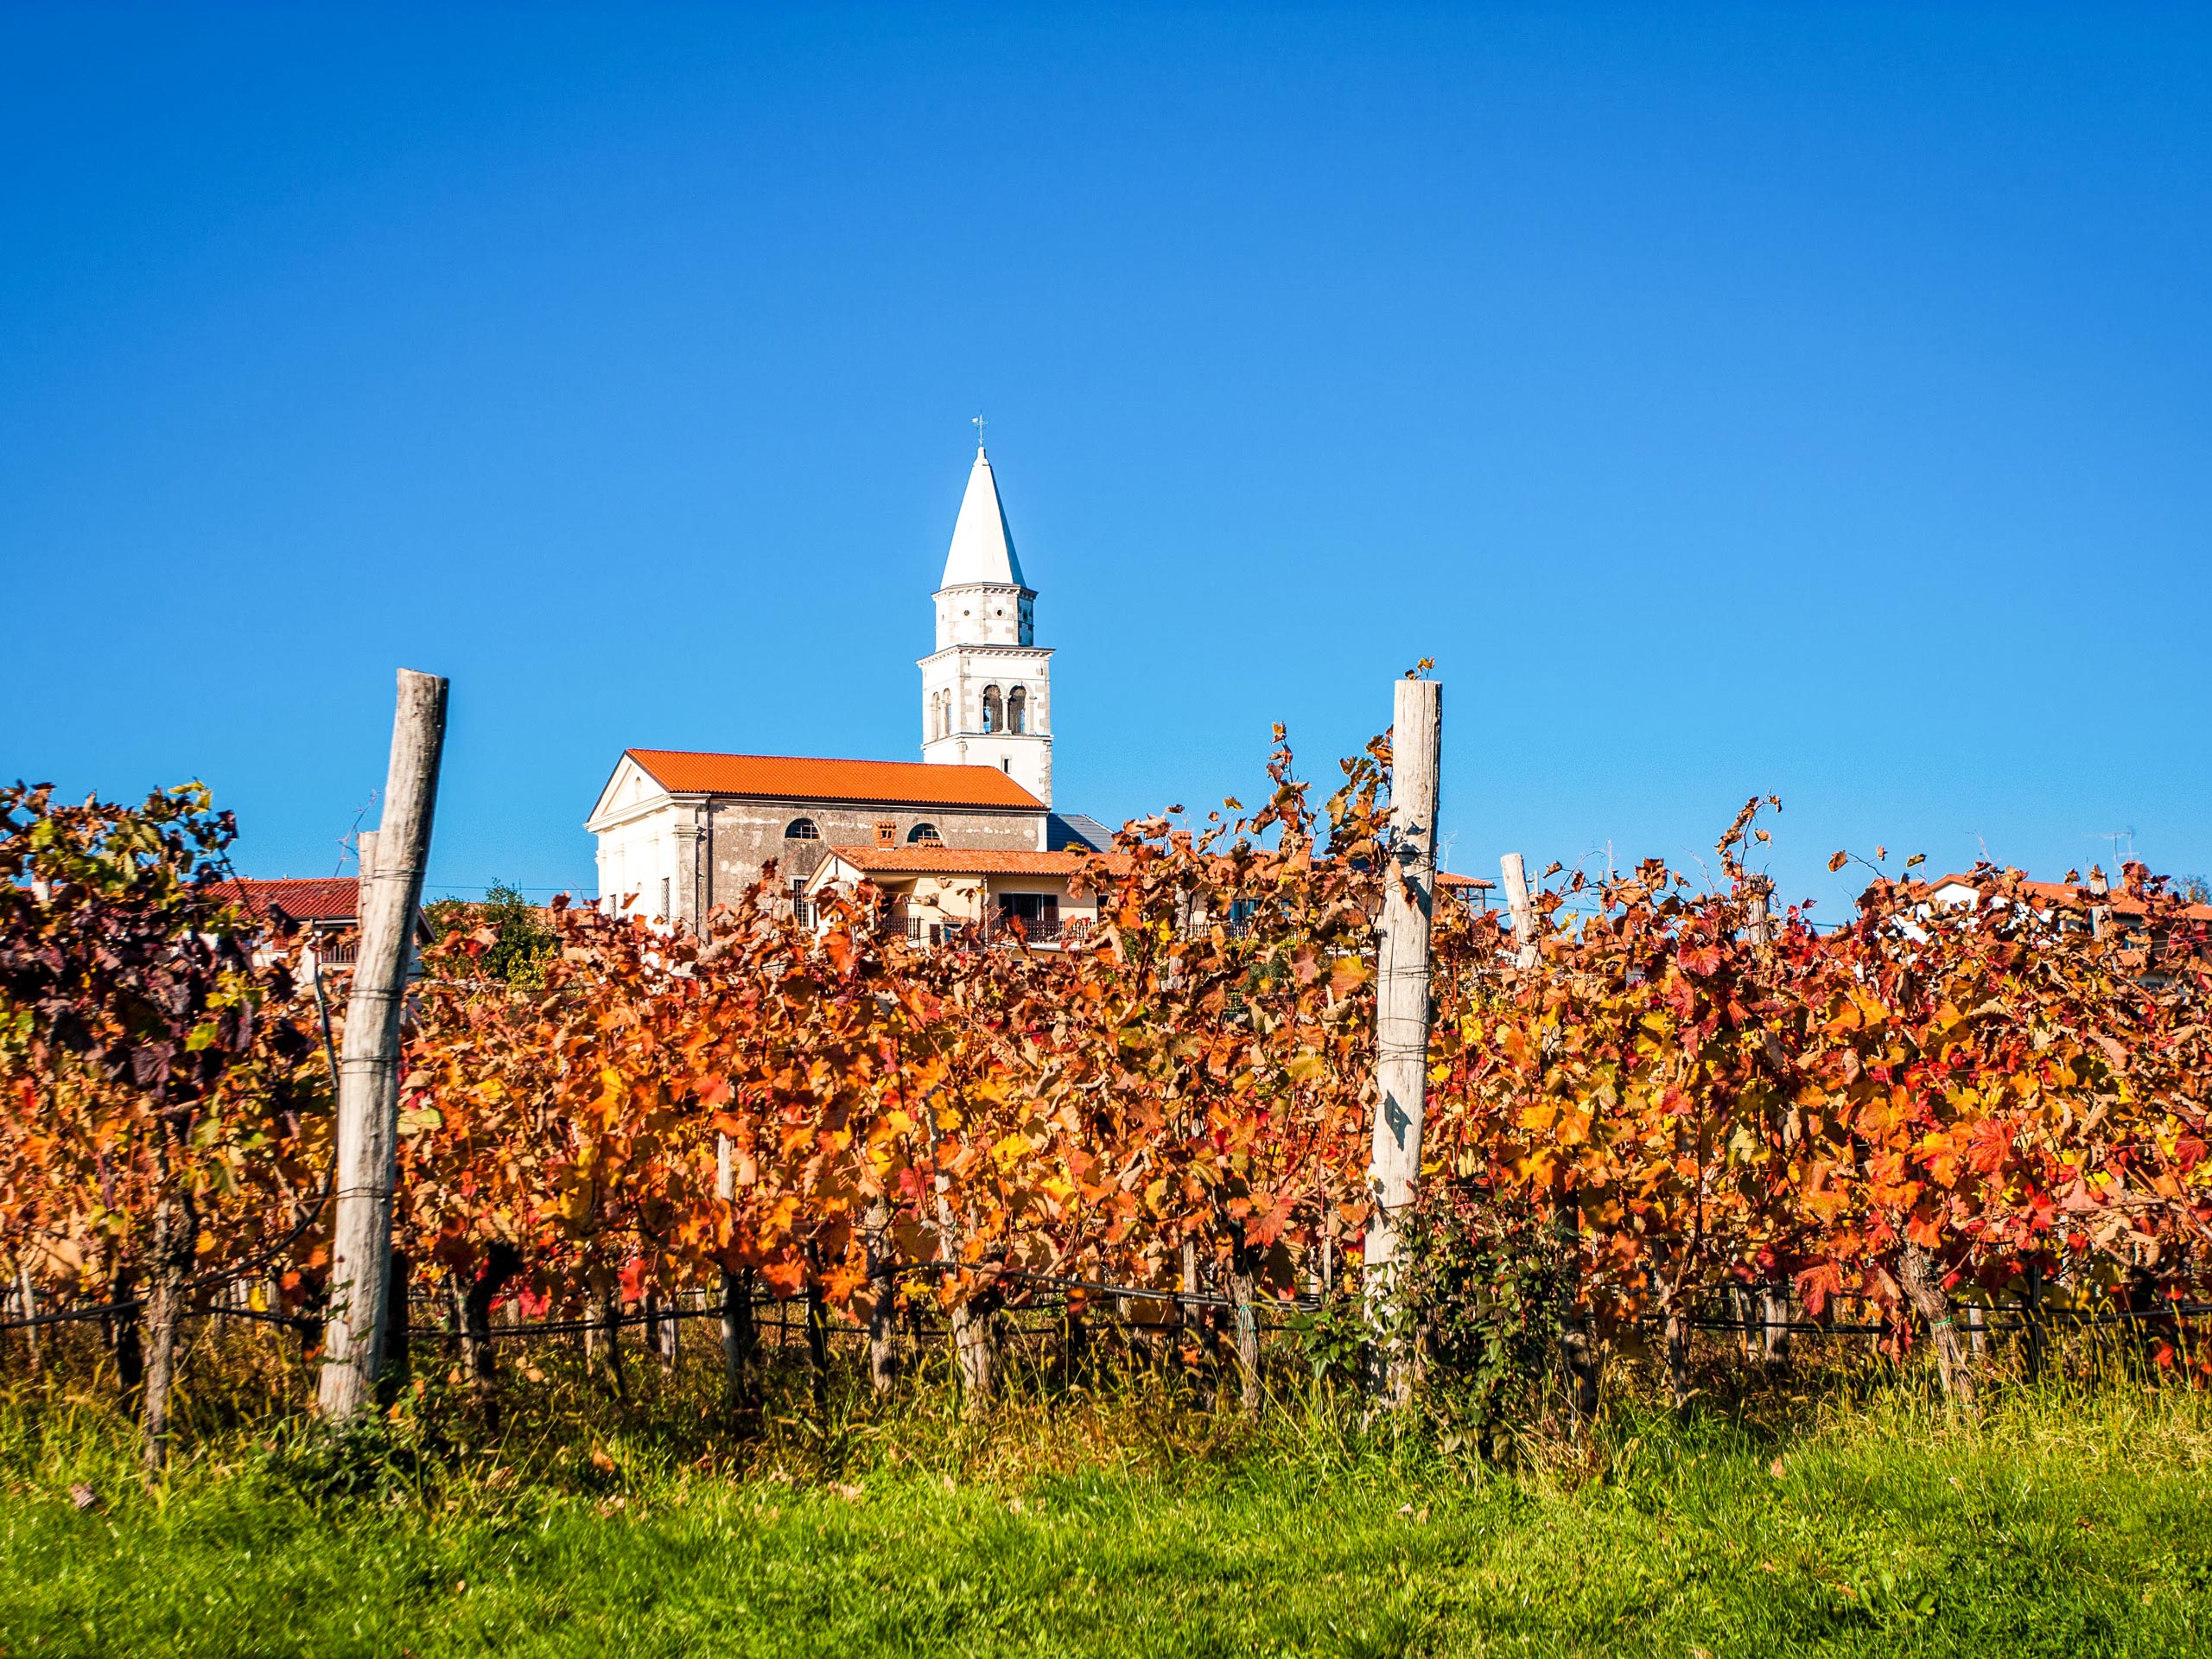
point(1652, 1107)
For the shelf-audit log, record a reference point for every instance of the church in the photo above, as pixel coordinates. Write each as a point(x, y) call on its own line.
point(964, 836)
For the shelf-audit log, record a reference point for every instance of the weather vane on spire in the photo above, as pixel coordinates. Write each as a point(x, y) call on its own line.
point(979, 424)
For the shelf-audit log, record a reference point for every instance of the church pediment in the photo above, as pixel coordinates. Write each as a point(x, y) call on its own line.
point(629, 791)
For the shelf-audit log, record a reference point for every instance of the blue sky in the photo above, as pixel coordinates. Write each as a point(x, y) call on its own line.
point(1810, 400)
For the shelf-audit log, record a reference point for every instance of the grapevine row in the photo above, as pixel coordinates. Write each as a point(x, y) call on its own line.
point(1697, 1094)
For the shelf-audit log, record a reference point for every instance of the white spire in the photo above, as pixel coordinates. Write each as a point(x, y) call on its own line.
point(983, 547)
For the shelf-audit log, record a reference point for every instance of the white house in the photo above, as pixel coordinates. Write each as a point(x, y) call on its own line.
point(930, 891)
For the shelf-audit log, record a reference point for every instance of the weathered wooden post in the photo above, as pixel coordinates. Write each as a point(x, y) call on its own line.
point(741, 1331)
point(1401, 1015)
point(1758, 927)
point(2034, 1318)
point(1517, 899)
point(368, 1080)
point(26, 1294)
point(883, 1298)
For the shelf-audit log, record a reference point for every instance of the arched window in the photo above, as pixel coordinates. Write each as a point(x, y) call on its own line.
point(925, 833)
point(993, 715)
point(1017, 710)
point(801, 829)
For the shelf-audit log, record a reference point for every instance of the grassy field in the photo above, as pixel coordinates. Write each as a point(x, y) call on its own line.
point(2053, 1524)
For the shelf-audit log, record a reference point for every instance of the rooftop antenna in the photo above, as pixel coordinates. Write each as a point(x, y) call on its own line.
point(350, 841)
point(979, 424)
point(2115, 836)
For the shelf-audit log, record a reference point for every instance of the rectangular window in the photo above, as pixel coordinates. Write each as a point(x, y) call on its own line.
point(1038, 913)
point(664, 898)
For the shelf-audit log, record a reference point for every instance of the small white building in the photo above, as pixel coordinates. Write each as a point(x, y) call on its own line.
point(932, 891)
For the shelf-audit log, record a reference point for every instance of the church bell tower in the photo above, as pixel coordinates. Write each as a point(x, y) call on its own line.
point(987, 695)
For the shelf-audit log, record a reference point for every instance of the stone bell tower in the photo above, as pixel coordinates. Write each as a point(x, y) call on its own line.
point(987, 696)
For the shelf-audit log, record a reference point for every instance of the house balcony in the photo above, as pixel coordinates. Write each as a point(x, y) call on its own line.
point(1047, 933)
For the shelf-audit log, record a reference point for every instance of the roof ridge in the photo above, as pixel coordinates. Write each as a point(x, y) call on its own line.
point(810, 778)
point(812, 759)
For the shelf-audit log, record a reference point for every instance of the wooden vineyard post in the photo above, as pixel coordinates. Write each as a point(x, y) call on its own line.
point(2034, 1321)
point(883, 1299)
point(27, 1295)
point(368, 1081)
point(1774, 1319)
point(1401, 1014)
point(1523, 908)
point(740, 1333)
point(1922, 1281)
point(1758, 926)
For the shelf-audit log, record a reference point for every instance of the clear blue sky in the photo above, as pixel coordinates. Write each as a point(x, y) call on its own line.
point(1810, 399)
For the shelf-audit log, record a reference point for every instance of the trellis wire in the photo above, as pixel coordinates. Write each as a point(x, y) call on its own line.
point(2029, 1318)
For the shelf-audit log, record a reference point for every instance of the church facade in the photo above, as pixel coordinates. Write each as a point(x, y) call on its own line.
point(679, 831)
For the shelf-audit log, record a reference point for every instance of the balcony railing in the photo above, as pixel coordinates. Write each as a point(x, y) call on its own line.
point(336, 949)
point(997, 930)
point(919, 929)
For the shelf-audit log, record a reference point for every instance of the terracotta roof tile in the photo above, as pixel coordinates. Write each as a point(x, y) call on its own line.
point(797, 777)
point(914, 859)
point(924, 860)
point(1472, 883)
point(307, 899)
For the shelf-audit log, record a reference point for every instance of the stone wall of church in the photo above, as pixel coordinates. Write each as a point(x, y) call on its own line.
point(747, 834)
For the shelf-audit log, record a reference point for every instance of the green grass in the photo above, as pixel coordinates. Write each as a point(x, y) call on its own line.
point(2069, 1524)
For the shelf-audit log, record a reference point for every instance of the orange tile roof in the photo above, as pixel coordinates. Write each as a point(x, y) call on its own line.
point(796, 778)
point(921, 859)
point(303, 899)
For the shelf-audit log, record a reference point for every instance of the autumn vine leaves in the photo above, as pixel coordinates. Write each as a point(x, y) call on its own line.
point(1186, 1089)
point(161, 1120)
point(1924, 1096)
point(1692, 1090)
